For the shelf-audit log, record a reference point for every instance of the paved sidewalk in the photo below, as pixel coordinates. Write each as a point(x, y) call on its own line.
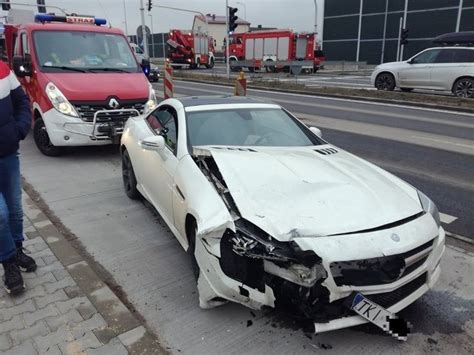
point(66, 308)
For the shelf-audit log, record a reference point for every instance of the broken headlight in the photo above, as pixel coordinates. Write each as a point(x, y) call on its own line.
point(285, 260)
point(429, 207)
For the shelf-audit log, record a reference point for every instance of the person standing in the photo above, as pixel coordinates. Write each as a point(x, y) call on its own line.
point(15, 122)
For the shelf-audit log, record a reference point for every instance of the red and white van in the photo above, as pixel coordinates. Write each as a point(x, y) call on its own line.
point(82, 78)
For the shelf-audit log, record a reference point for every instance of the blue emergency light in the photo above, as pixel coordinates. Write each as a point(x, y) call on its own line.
point(84, 20)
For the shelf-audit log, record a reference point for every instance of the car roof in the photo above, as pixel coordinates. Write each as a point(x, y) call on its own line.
point(192, 101)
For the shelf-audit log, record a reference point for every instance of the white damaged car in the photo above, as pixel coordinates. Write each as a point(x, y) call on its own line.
point(271, 214)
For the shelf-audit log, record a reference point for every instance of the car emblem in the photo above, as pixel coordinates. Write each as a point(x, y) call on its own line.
point(113, 103)
point(395, 237)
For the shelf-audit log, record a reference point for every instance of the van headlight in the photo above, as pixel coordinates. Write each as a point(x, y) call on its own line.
point(429, 207)
point(59, 101)
point(152, 102)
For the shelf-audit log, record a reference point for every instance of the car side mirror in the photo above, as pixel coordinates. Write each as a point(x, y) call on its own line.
point(146, 67)
point(316, 131)
point(21, 67)
point(153, 143)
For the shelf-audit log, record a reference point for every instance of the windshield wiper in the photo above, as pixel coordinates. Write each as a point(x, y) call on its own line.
point(117, 70)
point(63, 67)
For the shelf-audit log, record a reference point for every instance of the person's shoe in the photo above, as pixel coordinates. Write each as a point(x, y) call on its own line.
point(25, 263)
point(12, 279)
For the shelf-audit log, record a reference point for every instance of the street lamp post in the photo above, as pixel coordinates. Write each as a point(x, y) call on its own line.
point(125, 18)
point(152, 36)
point(316, 16)
point(245, 9)
point(145, 40)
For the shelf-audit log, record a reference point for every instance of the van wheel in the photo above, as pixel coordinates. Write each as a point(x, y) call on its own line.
point(192, 249)
point(464, 87)
point(42, 140)
point(385, 81)
point(128, 177)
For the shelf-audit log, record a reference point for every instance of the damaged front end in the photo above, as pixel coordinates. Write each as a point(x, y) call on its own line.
point(257, 263)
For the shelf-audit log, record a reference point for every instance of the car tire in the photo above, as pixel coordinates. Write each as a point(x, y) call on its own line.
point(464, 87)
point(128, 177)
point(41, 137)
point(192, 249)
point(234, 69)
point(385, 82)
point(406, 89)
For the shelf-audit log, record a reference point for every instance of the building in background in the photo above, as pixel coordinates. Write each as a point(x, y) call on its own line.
point(217, 28)
point(354, 30)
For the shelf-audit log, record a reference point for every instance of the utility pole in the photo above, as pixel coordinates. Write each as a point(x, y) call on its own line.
point(404, 26)
point(384, 33)
point(399, 38)
point(145, 40)
point(152, 36)
point(227, 39)
point(125, 18)
point(360, 30)
point(316, 16)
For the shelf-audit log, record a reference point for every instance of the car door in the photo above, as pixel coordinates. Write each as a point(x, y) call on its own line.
point(444, 69)
point(158, 167)
point(418, 73)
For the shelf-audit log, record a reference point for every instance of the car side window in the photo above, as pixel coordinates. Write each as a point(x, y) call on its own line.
point(163, 121)
point(426, 57)
point(464, 55)
point(446, 56)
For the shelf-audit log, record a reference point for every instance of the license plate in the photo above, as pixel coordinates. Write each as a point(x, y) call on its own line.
point(382, 318)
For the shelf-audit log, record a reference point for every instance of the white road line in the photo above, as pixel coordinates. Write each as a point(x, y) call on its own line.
point(444, 142)
point(446, 218)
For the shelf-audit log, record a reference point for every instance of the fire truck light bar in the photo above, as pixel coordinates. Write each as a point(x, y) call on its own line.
point(85, 20)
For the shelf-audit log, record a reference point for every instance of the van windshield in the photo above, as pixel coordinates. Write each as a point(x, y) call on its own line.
point(61, 50)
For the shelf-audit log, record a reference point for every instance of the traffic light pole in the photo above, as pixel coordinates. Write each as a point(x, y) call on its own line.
point(399, 38)
point(227, 61)
point(145, 40)
point(404, 26)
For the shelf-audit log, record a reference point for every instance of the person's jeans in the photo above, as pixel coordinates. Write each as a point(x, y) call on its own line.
point(11, 211)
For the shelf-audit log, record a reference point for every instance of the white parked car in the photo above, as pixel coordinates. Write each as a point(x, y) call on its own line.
point(443, 68)
point(271, 214)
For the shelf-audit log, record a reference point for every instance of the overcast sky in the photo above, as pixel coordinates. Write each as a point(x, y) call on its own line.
point(296, 14)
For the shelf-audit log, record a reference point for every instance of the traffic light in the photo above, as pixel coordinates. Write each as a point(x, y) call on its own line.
point(41, 6)
point(150, 5)
point(404, 36)
point(6, 5)
point(233, 19)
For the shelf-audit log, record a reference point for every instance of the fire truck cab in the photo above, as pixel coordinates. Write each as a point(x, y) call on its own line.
point(273, 50)
point(82, 78)
point(190, 49)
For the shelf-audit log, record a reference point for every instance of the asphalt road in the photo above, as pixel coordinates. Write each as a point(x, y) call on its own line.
point(432, 150)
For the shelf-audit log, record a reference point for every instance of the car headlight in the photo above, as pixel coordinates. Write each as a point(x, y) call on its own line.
point(429, 207)
point(152, 102)
point(59, 101)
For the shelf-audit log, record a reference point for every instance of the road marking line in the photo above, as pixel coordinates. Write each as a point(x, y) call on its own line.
point(444, 142)
point(446, 218)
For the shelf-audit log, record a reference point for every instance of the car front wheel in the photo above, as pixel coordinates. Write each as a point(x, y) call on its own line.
point(128, 177)
point(192, 249)
point(385, 81)
point(464, 87)
point(41, 137)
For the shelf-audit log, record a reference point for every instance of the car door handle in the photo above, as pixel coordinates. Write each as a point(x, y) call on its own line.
point(180, 193)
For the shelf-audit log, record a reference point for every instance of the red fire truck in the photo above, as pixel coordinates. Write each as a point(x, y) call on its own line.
point(81, 77)
point(274, 50)
point(190, 49)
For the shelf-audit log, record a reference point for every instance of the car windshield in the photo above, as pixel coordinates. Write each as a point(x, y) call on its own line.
point(60, 50)
point(247, 127)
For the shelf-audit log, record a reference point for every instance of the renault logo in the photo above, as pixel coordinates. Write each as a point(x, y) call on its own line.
point(113, 103)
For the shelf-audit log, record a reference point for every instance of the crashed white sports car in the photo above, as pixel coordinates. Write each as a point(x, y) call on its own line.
point(271, 214)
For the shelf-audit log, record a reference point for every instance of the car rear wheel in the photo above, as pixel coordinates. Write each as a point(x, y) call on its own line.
point(192, 230)
point(464, 87)
point(128, 177)
point(385, 81)
point(41, 136)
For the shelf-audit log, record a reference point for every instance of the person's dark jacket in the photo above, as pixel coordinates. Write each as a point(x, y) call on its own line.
point(15, 112)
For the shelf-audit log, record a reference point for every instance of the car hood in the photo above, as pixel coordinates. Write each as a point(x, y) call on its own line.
point(100, 86)
point(299, 192)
